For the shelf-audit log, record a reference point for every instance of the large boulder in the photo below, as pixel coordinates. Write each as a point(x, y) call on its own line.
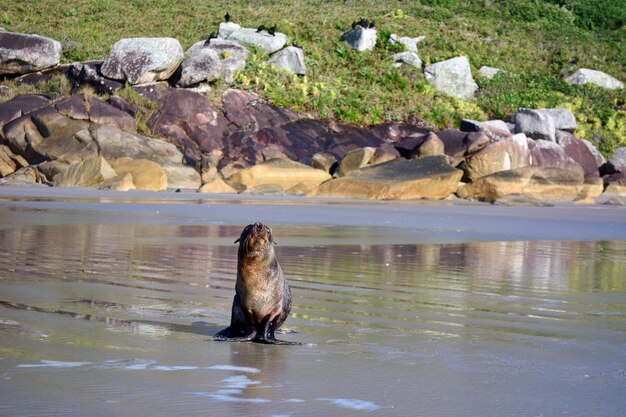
point(289, 59)
point(600, 159)
point(226, 28)
point(9, 162)
point(261, 40)
point(143, 60)
point(458, 144)
point(535, 124)
point(86, 173)
point(503, 155)
point(429, 177)
point(534, 182)
point(182, 176)
point(360, 39)
point(209, 60)
point(277, 172)
point(580, 152)
point(21, 54)
point(547, 154)
point(599, 78)
point(563, 119)
point(146, 175)
point(452, 77)
point(217, 186)
point(190, 121)
point(248, 112)
point(96, 111)
point(494, 129)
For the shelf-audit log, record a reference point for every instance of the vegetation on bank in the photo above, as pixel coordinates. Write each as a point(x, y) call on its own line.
point(538, 42)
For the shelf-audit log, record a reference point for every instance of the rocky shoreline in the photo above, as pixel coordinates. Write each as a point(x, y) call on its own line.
point(246, 145)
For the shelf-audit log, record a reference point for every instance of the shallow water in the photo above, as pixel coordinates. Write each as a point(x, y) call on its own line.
point(115, 318)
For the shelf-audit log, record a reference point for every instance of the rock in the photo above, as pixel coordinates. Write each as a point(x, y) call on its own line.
point(217, 186)
point(394, 132)
point(143, 60)
point(248, 112)
point(489, 72)
point(408, 58)
point(599, 78)
point(190, 121)
point(355, 159)
point(616, 163)
point(563, 119)
point(324, 161)
point(494, 129)
point(261, 40)
point(429, 177)
point(9, 162)
point(118, 183)
point(580, 152)
point(52, 168)
point(123, 105)
point(182, 176)
point(280, 172)
point(410, 44)
point(114, 143)
point(88, 73)
point(289, 59)
point(208, 166)
point(96, 111)
point(600, 160)
point(431, 146)
point(86, 173)
point(384, 153)
point(503, 155)
point(452, 77)
point(458, 144)
point(552, 184)
point(26, 175)
point(360, 39)
point(21, 105)
point(232, 168)
point(535, 124)
point(208, 61)
point(550, 155)
point(226, 28)
point(147, 175)
point(21, 54)
point(301, 189)
point(520, 200)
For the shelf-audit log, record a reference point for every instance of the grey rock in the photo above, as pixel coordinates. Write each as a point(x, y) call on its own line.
point(494, 129)
point(599, 78)
point(289, 59)
point(535, 124)
point(410, 44)
point(143, 60)
point(226, 28)
point(618, 160)
point(262, 40)
point(207, 61)
point(488, 72)
point(452, 77)
point(408, 58)
point(360, 39)
point(563, 118)
point(21, 54)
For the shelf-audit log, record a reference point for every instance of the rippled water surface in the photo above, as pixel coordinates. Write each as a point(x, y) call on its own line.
point(104, 319)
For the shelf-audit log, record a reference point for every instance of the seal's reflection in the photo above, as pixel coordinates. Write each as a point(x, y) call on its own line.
point(261, 367)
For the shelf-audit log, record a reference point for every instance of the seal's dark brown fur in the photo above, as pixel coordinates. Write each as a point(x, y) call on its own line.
point(262, 297)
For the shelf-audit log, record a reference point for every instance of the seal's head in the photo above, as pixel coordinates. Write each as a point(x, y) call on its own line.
point(255, 238)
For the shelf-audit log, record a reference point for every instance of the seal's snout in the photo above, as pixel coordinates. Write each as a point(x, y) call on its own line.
point(255, 236)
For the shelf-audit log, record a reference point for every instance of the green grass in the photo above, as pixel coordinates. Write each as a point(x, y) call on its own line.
point(539, 41)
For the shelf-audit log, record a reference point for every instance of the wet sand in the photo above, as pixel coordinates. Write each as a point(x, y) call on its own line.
point(108, 302)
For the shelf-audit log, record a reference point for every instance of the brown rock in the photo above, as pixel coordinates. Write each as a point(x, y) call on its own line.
point(384, 153)
point(52, 168)
point(21, 105)
point(85, 173)
point(118, 183)
point(548, 154)
point(217, 186)
point(26, 175)
point(503, 155)
point(182, 176)
point(534, 182)
point(431, 146)
point(247, 112)
point(281, 172)
point(355, 159)
point(324, 161)
point(147, 175)
point(428, 177)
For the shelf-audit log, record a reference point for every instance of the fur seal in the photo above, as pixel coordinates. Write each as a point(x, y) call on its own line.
point(262, 297)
